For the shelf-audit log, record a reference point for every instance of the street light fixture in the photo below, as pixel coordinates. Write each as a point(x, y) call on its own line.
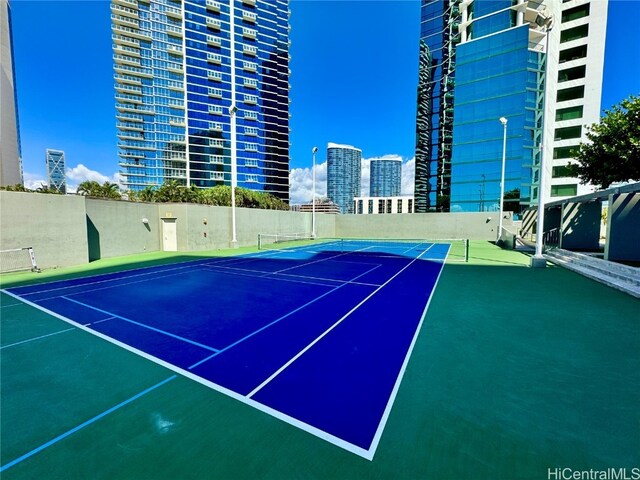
point(503, 121)
point(313, 194)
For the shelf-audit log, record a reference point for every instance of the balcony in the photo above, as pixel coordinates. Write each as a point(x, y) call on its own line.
point(249, 16)
point(124, 21)
point(250, 116)
point(175, 67)
point(251, 99)
point(125, 11)
point(133, 52)
point(251, 3)
point(175, 86)
point(214, 58)
point(213, 6)
point(214, 76)
point(216, 159)
point(250, 162)
point(214, 23)
point(174, 103)
point(128, 79)
point(122, 97)
point(216, 142)
point(126, 60)
point(132, 32)
point(130, 117)
point(215, 109)
point(127, 135)
point(174, 31)
point(250, 83)
point(215, 127)
point(215, 92)
point(249, 33)
point(216, 175)
point(139, 72)
point(173, 12)
point(250, 50)
point(214, 41)
point(122, 40)
point(128, 89)
point(129, 126)
point(126, 3)
point(250, 67)
point(144, 110)
point(174, 50)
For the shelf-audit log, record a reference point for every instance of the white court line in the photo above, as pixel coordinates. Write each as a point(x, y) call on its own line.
point(37, 338)
point(277, 320)
point(251, 274)
point(326, 332)
point(321, 260)
point(177, 337)
point(394, 392)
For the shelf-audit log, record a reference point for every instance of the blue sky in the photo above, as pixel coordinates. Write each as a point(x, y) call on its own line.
point(354, 74)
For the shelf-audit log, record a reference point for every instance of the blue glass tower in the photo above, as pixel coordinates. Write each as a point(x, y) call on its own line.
point(385, 177)
point(343, 175)
point(56, 170)
point(479, 61)
point(182, 70)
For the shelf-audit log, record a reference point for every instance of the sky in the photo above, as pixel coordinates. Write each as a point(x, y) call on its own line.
point(354, 73)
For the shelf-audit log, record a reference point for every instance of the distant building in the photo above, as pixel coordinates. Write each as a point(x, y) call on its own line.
point(323, 205)
point(10, 154)
point(385, 177)
point(343, 175)
point(380, 205)
point(55, 170)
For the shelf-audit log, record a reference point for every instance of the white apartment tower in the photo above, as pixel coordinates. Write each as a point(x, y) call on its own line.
point(582, 25)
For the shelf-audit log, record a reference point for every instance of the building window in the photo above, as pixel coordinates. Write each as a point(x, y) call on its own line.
point(574, 33)
point(360, 207)
point(389, 205)
point(568, 132)
point(399, 205)
point(570, 93)
point(410, 206)
point(381, 206)
point(569, 113)
point(574, 73)
point(561, 172)
point(568, 190)
point(564, 152)
point(370, 207)
point(572, 54)
point(575, 13)
point(251, 178)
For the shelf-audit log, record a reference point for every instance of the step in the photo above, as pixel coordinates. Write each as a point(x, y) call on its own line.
point(612, 269)
point(629, 285)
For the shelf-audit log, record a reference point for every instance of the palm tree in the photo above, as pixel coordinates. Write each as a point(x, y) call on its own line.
point(110, 190)
point(89, 188)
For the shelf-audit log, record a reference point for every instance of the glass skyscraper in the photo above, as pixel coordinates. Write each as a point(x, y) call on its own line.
point(385, 176)
point(497, 51)
point(192, 79)
point(343, 175)
point(55, 170)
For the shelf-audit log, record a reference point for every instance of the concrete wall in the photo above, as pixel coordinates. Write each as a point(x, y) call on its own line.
point(54, 225)
point(581, 226)
point(623, 228)
point(115, 228)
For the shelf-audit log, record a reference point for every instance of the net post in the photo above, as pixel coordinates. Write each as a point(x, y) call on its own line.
point(259, 241)
point(466, 250)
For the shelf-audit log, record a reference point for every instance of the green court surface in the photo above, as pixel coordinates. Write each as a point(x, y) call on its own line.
point(515, 371)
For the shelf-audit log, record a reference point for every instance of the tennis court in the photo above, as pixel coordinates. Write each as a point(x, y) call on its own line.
point(310, 334)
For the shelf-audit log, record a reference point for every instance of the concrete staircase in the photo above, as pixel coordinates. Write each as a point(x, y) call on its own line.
point(621, 277)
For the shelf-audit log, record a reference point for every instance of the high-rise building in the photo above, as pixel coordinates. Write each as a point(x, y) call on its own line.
point(56, 170)
point(582, 27)
point(343, 175)
point(10, 154)
point(481, 61)
point(193, 80)
point(385, 177)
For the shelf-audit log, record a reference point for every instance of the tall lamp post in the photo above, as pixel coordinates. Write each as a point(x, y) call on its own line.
point(538, 260)
point(503, 121)
point(313, 194)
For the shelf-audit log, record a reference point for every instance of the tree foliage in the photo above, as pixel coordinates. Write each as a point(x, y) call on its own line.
point(91, 188)
point(613, 151)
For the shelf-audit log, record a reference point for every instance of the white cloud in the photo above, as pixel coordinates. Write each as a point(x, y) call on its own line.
point(81, 173)
point(301, 184)
point(33, 181)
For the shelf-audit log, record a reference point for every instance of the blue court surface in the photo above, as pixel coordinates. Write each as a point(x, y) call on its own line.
point(317, 335)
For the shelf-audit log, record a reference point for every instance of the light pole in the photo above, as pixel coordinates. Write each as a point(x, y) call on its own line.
point(503, 121)
point(234, 175)
point(313, 194)
point(538, 260)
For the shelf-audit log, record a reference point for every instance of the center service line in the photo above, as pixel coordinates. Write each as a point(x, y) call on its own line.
point(326, 332)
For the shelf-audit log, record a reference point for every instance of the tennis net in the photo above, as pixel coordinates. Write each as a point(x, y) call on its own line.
point(280, 241)
point(16, 259)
